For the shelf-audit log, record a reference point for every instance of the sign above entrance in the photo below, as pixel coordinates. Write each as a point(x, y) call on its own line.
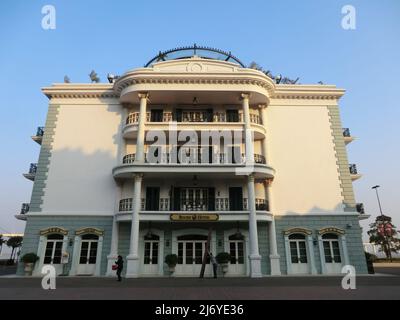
point(194, 217)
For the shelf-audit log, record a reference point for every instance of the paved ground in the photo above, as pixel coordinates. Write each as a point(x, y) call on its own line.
point(316, 287)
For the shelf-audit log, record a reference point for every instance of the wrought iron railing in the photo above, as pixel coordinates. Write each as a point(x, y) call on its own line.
point(24, 208)
point(346, 132)
point(353, 169)
point(33, 168)
point(195, 157)
point(360, 208)
point(40, 131)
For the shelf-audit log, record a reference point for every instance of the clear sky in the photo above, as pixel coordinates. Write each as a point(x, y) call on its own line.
point(296, 38)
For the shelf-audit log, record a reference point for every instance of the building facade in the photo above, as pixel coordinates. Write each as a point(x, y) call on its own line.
point(193, 147)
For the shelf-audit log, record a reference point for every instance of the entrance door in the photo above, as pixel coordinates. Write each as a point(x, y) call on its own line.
point(235, 199)
point(236, 250)
point(191, 250)
point(333, 260)
point(88, 255)
point(150, 256)
point(53, 252)
point(298, 254)
point(152, 198)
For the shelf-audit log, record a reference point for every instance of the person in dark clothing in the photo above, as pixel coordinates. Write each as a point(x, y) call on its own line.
point(120, 266)
point(214, 264)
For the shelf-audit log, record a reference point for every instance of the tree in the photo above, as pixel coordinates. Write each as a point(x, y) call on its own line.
point(14, 242)
point(2, 241)
point(382, 232)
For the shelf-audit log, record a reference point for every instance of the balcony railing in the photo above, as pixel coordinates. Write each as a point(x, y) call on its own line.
point(40, 131)
point(346, 132)
point(193, 116)
point(221, 204)
point(33, 168)
point(353, 169)
point(196, 158)
point(24, 208)
point(129, 158)
point(360, 208)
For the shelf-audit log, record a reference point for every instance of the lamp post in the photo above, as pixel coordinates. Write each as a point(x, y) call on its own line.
point(387, 244)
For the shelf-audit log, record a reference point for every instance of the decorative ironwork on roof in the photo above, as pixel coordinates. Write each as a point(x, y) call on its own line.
point(188, 52)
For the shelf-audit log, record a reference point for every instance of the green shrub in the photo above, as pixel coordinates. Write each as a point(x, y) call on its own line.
point(29, 258)
point(171, 260)
point(223, 257)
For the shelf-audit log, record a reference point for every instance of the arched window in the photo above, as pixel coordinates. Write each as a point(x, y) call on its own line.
point(297, 245)
point(193, 237)
point(331, 248)
point(89, 246)
point(53, 250)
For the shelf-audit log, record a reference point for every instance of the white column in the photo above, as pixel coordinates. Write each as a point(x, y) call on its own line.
point(247, 126)
point(132, 269)
point(321, 254)
point(274, 256)
point(98, 256)
point(263, 111)
point(112, 257)
point(255, 258)
point(75, 256)
point(311, 253)
point(139, 157)
point(345, 252)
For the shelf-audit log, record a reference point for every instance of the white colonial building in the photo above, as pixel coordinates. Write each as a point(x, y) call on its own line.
point(193, 147)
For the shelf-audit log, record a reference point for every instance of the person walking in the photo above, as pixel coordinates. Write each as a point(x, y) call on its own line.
point(120, 266)
point(214, 264)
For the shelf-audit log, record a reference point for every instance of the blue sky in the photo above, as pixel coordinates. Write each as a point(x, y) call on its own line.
point(296, 38)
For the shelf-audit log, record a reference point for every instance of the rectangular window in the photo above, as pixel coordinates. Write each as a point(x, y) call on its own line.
point(180, 253)
point(327, 252)
point(302, 251)
point(336, 252)
point(293, 252)
point(154, 258)
point(189, 252)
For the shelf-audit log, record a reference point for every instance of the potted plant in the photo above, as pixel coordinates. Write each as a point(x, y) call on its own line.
point(171, 260)
point(29, 260)
point(223, 259)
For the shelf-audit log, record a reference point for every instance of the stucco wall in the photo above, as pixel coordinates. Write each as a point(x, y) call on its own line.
point(301, 150)
point(85, 148)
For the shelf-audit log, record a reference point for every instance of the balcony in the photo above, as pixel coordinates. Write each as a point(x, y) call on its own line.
point(218, 165)
point(24, 210)
point(347, 136)
point(360, 208)
point(196, 158)
point(32, 172)
point(353, 172)
point(188, 205)
point(185, 120)
point(39, 135)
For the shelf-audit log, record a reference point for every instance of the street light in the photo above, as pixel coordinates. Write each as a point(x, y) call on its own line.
point(377, 195)
point(388, 248)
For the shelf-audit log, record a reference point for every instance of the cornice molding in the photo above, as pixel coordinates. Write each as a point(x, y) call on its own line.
point(79, 91)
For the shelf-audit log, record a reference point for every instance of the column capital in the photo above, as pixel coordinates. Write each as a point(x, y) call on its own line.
point(250, 177)
point(262, 106)
point(268, 182)
point(143, 95)
point(138, 176)
point(245, 95)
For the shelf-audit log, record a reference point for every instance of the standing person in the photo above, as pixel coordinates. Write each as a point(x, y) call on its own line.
point(214, 264)
point(120, 266)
